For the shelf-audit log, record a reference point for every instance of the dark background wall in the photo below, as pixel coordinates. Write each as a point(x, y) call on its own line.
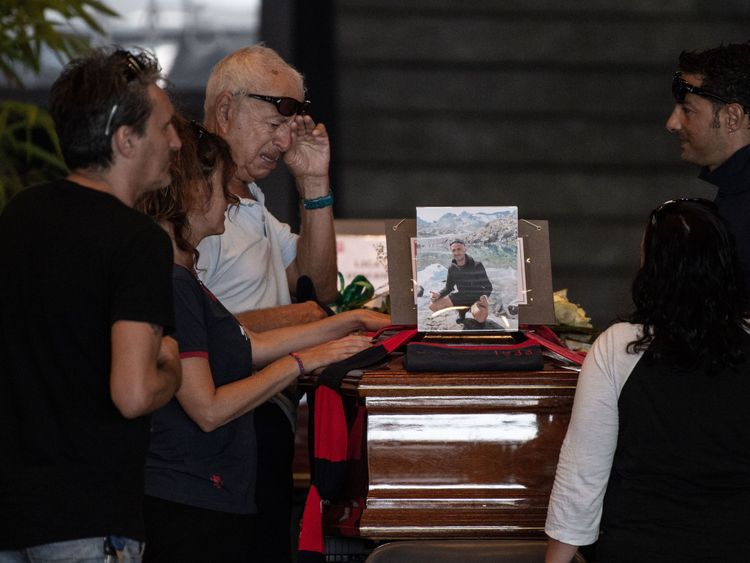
point(556, 107)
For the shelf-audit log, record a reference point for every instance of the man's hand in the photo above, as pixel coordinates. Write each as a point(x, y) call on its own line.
point(169, 352)
point(168, 361)
point(145, 370)
point(307, 160)
point(309, 156)
point(434, 296)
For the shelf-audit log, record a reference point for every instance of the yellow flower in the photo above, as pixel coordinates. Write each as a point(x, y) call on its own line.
point(568, 313)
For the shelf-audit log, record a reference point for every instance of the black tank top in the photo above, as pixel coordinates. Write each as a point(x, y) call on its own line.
point(679, 489)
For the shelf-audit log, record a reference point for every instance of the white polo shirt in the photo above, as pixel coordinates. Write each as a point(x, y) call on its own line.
point(246, 266)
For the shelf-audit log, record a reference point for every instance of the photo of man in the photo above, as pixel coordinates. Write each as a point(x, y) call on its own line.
point(466, 287)
point(466, 264)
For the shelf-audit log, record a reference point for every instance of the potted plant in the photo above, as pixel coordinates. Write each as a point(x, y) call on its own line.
point(28, 142)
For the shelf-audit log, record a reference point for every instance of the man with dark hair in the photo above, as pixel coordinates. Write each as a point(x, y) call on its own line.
point(471, 284)
point(712, 119)
point(85, 298)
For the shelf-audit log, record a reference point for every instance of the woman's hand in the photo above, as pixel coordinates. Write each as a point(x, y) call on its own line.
point(368, 319)
point(333, 351)
point(274, 344)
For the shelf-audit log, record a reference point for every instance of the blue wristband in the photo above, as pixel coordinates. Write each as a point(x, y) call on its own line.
point(318, 202)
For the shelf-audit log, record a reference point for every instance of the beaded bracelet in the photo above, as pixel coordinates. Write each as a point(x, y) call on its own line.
point(299, 362)
point(318, 202)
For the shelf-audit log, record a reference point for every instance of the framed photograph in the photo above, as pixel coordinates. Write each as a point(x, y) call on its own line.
point(467, 269)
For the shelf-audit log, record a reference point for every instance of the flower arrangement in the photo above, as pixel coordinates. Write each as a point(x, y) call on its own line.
point(569, 314)
point(574, 326)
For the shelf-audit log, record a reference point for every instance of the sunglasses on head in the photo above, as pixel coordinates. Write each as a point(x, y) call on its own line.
point(131, 69)
point(707, 203)
point(680, 89)
point(132, 65)
point(285, 106)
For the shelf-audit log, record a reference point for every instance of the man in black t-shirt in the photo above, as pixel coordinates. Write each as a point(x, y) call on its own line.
point(469, 280)
point(85, 299)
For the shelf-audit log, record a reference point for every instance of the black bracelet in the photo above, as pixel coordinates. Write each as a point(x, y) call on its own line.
point(318, 202)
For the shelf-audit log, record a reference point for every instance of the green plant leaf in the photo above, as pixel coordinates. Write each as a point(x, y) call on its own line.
point(355, 295)
point(29, 147)
point(27, 26)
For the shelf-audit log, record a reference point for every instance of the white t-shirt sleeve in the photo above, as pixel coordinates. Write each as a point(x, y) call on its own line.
point(587, 452)
point(285, 238)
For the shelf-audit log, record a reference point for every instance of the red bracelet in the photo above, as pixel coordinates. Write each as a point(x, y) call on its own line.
point(299, 362)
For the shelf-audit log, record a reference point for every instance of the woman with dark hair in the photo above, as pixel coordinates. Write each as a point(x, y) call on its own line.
point(656, 462)
point(200, 470)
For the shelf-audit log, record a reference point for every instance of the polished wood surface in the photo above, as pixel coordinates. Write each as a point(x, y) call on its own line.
point(453, 455)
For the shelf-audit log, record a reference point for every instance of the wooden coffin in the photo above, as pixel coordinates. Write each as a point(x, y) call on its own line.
point(456, 455)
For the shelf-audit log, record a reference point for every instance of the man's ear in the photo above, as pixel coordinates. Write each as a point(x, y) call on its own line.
point(223, 112)
point(123, 141)
point(736, 117)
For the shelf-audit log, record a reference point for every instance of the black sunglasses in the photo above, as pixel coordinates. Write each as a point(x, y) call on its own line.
point(680, 89)
point(707, 203)
point(198, 129)
point(132, 68)
point(285, 106)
